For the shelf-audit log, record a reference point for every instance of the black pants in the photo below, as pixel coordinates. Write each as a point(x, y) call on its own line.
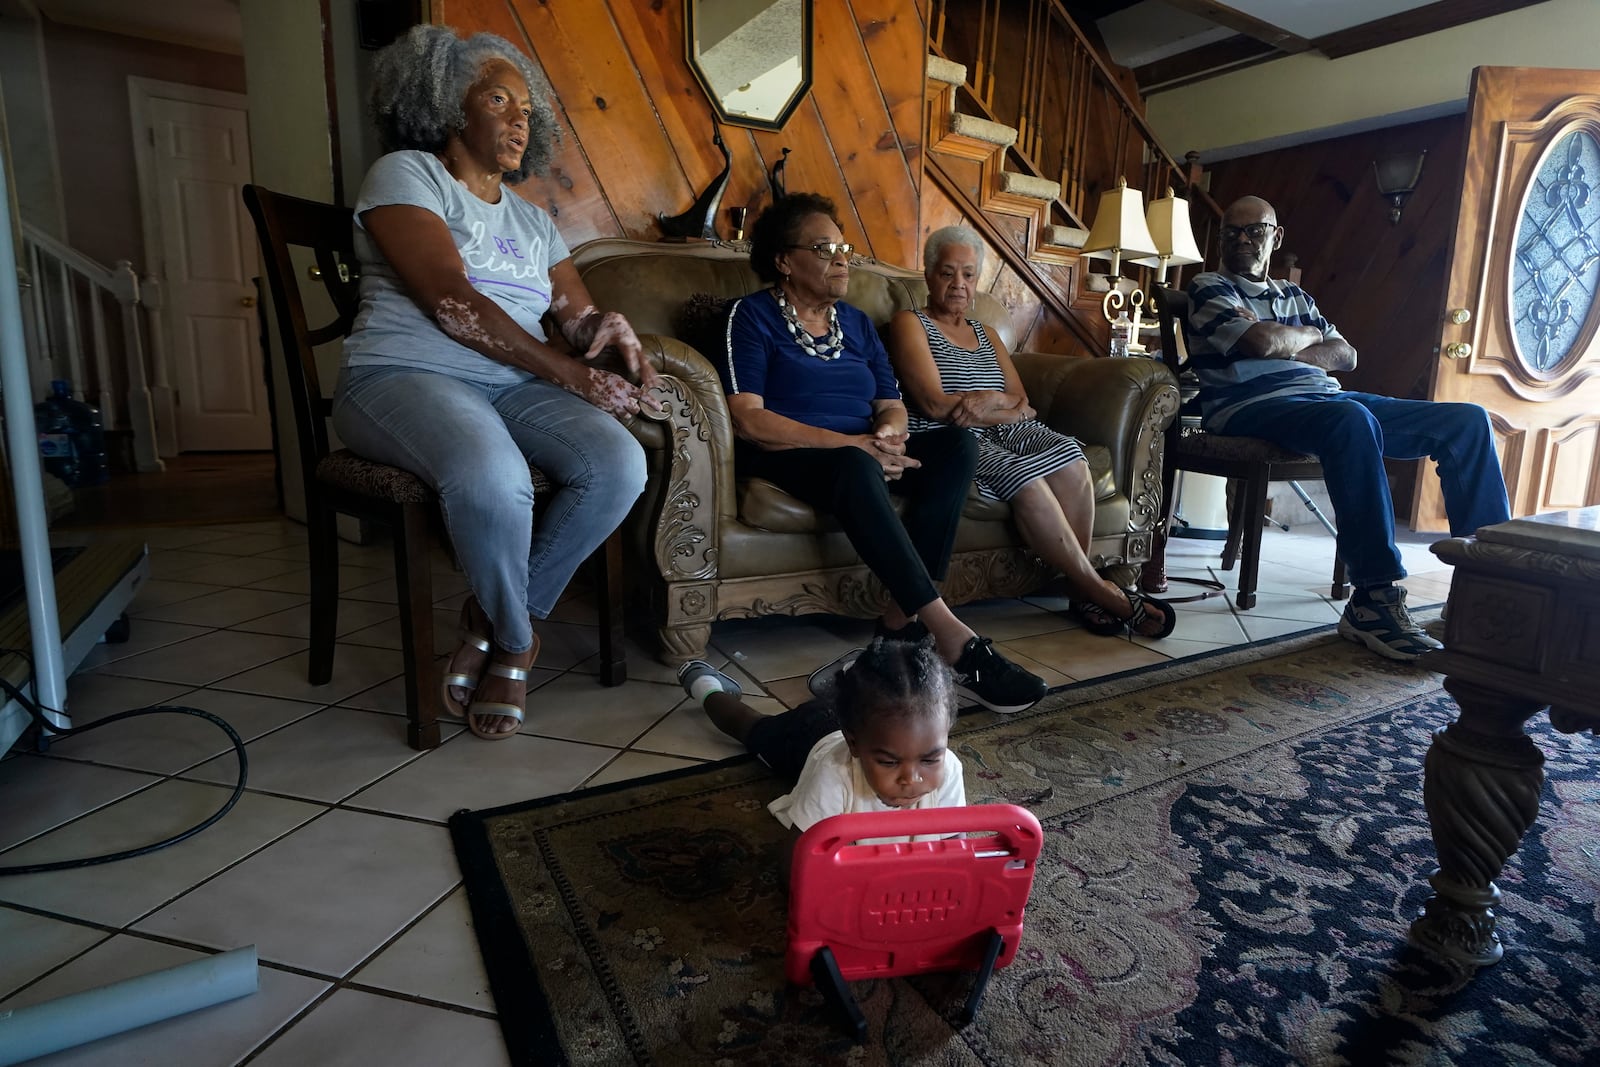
point(783, 741)
point(908, 554)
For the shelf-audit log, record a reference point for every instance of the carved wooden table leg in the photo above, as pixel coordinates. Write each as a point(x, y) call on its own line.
point(1481, 785)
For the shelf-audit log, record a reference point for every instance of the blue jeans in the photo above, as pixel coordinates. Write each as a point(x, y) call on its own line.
point(1351, 433)
point(472, 443)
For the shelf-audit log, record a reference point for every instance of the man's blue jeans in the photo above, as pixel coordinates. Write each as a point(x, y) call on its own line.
point(472, 443)
point(1351, 433)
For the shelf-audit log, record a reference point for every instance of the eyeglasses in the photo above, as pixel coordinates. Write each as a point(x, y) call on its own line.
point(828, 249)
point(1256, 231)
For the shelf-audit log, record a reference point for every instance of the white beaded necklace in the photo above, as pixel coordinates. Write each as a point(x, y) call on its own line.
point(829, 348)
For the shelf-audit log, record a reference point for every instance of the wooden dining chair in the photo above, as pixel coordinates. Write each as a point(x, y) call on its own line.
point(1249, 461)
point(340, 482)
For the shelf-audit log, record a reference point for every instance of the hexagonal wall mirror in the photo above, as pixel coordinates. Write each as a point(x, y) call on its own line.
point(753, 57)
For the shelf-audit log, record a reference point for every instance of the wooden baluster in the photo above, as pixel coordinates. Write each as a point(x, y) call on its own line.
point(1194, 173)
point(69, 316)
point(1041, 91)
point(1075, 138)
point(979, 59)
point(41, 317)
point(1024, 119)
point(994, 50)
point(1040, 51)
point(105, 396)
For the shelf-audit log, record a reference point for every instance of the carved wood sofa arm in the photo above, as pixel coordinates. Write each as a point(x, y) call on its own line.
point(689, 453)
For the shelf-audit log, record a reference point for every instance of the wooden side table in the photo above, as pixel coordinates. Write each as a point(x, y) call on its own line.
point(1522, 633)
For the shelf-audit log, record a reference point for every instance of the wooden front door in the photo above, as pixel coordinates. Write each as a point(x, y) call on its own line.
point(1520, 330)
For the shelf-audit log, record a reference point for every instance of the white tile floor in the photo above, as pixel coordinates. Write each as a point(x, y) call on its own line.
point(336, 862)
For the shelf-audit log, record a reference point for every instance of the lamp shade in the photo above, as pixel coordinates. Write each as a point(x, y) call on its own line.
point(1119, 231)
point(1168, 219)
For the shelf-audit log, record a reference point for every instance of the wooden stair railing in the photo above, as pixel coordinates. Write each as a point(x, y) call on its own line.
point(1040, 110)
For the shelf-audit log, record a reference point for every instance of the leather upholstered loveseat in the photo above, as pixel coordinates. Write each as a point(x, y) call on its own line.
point(702, 545)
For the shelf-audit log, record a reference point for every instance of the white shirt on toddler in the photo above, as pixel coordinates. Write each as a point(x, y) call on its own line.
point(831, 783)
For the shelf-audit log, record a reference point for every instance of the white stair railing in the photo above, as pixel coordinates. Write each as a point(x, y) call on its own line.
point(59, 272)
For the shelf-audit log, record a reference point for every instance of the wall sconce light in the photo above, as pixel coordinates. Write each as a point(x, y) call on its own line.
point(1397, 179)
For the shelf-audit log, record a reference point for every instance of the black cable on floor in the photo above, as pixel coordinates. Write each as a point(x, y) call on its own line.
point(170, 709)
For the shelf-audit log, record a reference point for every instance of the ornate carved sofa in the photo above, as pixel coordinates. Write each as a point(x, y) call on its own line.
point(701, 546)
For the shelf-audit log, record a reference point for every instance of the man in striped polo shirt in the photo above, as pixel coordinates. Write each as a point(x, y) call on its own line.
point(1263, 353)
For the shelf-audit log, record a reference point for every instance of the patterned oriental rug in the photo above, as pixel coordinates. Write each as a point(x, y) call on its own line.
point(1234, 848)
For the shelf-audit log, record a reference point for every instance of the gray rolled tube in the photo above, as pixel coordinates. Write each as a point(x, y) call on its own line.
point(79, 1018)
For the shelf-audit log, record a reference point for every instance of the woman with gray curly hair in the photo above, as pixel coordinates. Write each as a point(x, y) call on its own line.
point(954, 372)
point(449, 373)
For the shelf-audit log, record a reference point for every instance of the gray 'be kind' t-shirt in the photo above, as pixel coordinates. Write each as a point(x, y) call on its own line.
point(507, 249)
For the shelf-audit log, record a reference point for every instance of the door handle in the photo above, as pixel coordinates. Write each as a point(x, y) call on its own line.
point(1458, 350)
point(1460, 316)
point(247, 301)
point(314, 272)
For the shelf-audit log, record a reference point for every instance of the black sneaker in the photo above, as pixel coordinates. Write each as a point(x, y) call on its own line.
point(985, 676)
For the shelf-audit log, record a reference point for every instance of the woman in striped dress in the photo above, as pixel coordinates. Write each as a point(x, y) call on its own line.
point(952, 370)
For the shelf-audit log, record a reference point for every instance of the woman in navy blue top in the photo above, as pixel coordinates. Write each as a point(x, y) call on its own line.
point(818, 413)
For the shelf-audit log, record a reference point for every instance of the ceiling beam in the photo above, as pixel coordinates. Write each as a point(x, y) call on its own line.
point(1430, 18)
point(1209, 59)
point(1249, 25)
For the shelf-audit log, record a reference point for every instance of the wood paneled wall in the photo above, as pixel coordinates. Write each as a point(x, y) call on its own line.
point(639, 126)
point(1382, 284)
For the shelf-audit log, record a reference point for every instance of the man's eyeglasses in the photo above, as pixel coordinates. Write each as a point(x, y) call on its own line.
point(1256, 231)
point(828, 249)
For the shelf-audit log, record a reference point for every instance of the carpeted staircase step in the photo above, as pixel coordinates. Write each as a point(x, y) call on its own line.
point(946, 71)
point(1021, 194)
point(1058, 244)
point(994, 134)
point(1064, 237)
point(970, 137)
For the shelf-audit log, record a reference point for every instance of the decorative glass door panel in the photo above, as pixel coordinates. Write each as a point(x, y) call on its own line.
point(1556, 270)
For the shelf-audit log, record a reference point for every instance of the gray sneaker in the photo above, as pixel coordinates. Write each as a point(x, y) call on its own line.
point(699, 668)
point(824, 678)
point(1378, 619)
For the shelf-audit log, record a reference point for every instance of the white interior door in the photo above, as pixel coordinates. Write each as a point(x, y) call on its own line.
point(198, 159)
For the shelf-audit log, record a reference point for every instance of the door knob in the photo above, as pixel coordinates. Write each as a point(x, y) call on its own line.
point(247, 301)
point(1460, 316)
point(1458, 350)
point(314, 272)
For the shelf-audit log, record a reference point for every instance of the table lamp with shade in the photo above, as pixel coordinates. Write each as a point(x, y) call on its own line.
point(1119, 233)
point(1168, 222)
point(1160, 238)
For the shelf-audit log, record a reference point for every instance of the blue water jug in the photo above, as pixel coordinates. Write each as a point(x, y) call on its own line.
point(57, 452)
point(88, 436)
